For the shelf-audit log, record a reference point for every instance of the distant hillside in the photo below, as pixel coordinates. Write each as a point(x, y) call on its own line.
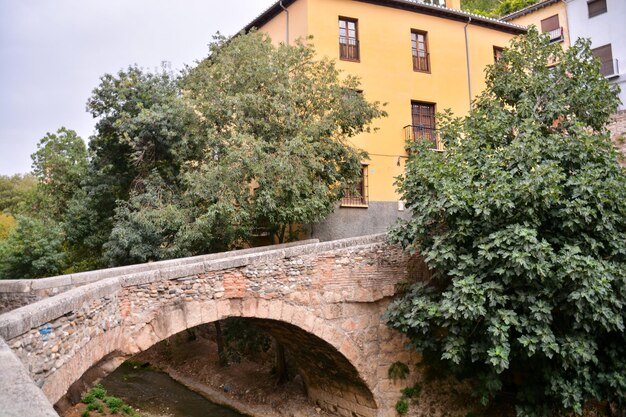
point(495, 8)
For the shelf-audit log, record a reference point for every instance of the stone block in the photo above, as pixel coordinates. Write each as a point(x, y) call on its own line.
point(193, 313)
point(45, 283)
point(249, 307)
point(287, 312)
point(181, 271)
point(263, 308)
point(209, 311)
point(139, 278)
point(275, 310)
point(15, 285)
point(236, 307)
point(223, 309)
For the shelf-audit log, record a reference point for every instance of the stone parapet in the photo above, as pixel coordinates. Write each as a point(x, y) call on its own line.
point(15, 293)
point(19, 396)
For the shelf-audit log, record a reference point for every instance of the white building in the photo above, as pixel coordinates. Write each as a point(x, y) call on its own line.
point(604, 21)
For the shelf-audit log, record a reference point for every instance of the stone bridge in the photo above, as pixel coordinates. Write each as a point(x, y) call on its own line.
point(322, 301)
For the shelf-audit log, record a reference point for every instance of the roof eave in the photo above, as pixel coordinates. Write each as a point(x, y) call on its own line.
point(438, 11)
point(528, 10)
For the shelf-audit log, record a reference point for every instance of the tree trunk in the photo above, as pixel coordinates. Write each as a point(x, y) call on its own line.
point(221, 354)
point(281, 364)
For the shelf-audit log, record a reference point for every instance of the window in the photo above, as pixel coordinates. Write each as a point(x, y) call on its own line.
point(605, 56)
point(357, 194)
point(419, 48)
point(423, 122)
point(552, 27)
point(497, 53)
point(596, 7)
point(348, 39)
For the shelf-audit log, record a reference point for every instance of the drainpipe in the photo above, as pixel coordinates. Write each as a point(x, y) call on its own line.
point(287, 21)
point(467, 56)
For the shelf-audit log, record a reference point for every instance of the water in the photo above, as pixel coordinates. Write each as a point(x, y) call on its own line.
point(156, 394)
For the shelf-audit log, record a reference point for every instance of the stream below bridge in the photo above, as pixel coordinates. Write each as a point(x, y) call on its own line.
point(156, 394)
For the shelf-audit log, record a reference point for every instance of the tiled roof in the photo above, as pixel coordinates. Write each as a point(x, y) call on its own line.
point(410, 5)
point(529, 9)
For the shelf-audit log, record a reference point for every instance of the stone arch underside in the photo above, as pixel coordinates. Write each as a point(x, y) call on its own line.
point(328, 359)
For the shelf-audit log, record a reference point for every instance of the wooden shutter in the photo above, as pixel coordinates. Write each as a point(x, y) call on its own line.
point(550, 24)
point(605, 56)
point(596, 7)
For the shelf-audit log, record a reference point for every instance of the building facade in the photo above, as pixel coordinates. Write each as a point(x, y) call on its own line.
point(602, 21)
point(417, 58)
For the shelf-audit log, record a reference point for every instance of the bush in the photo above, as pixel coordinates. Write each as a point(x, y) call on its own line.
point(523, 222)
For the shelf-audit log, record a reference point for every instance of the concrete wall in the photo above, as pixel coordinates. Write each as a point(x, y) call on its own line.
point(348, 222)
point(606, 28)
point(333, 294)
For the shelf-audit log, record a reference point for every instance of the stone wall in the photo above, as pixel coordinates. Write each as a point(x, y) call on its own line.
point(15, 293)
point(324, 301)
point(618, 129)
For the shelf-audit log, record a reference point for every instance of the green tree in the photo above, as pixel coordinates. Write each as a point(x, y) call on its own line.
point(60, 165)
point(142, 131)
point(523, 222)
point(33, 249)
point(484, 7)
point(276, 124)
point(15, 192)
point(510, 6)
point(7, 223)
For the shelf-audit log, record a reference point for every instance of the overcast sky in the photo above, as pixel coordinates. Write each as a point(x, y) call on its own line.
point(52, 53)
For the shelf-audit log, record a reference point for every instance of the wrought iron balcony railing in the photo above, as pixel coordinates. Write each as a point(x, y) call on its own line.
point(556, 35)
point(422, 133)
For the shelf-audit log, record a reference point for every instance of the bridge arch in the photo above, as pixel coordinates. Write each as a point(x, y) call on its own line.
point(329, 361)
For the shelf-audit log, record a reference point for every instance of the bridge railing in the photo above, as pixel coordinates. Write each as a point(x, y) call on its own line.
point(15, 293)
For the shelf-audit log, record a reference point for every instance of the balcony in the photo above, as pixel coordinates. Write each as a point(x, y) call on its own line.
point(348, 49)
point(609, 68)
point(423, 133)
point(556, 35)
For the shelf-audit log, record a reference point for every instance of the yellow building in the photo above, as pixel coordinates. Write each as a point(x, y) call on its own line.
point(417, 58)
point(549, 16)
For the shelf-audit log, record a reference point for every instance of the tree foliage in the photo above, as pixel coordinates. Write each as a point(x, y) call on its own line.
point(15, 192)
point(273, 125)
point(495, 8)
point(34, 248)
point(277, 121)
point(523, 222)
point(60, 165)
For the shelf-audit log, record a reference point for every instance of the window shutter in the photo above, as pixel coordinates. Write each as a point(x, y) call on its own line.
point(550, 24)
point(596, 7)
point(605, 56)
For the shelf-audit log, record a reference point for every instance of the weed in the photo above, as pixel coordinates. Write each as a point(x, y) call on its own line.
point(114, 404)
point(402, 406)
point(84, 414)
point(89, 398)
point(398, 370)
point(98, 391)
